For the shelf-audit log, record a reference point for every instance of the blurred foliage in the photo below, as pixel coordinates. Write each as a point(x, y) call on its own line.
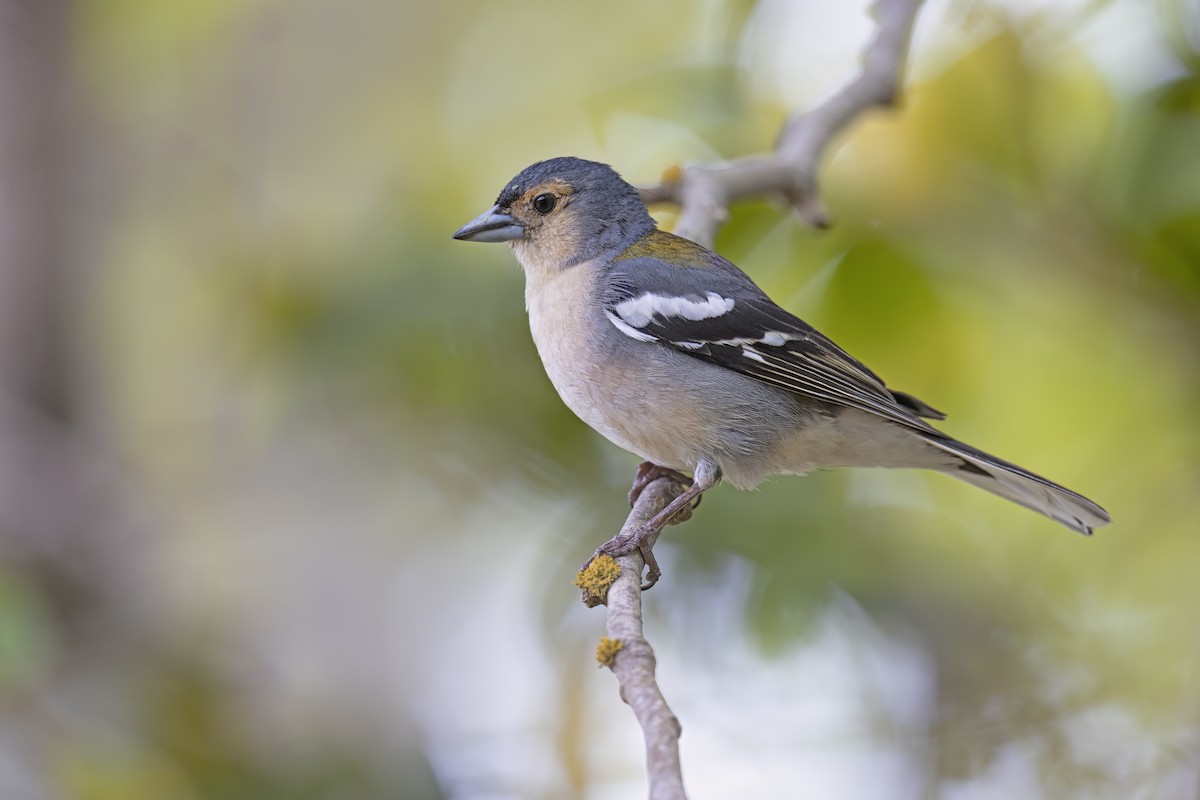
point(362, 496)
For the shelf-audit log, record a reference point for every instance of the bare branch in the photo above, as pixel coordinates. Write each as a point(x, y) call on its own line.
point(704, 192)
point(634, 663)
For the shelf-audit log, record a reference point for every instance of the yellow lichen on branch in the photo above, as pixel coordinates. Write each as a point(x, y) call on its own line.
point(597, 578)
point(606, 651)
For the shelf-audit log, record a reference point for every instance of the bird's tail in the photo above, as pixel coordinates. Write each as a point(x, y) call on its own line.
point(1022, 487)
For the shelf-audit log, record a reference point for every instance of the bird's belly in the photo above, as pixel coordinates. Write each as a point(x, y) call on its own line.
point(615, 385)
point(621, 400)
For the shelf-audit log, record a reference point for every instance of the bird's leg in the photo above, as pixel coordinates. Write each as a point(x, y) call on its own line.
point(708, 474)
point(647, 473)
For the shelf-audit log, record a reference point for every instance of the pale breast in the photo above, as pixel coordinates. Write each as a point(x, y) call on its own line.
point(577, 353)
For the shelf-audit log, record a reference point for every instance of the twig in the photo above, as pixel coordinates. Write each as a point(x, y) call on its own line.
point(634, 663)
point(704, 192)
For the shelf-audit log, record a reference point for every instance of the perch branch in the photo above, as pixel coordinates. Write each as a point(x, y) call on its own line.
point(634, 663)
point(703, 192)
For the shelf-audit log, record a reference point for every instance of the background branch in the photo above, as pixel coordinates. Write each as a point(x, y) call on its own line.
point(703, 192)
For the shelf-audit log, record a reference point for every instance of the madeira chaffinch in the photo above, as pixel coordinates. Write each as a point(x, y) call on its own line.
point(673, 353)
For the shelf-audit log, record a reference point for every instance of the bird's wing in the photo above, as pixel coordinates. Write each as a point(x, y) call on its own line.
point(723, 318)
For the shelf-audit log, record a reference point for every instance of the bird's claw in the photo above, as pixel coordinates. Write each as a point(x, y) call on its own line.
point(641, 538)
point(624, 544)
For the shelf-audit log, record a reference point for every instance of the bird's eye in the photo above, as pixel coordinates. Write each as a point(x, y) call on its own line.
point(544, 203)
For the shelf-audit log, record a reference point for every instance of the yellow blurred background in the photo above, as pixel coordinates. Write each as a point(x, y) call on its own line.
point(288, 508)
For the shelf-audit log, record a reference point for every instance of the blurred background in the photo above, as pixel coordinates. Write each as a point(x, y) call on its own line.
point(288, 508)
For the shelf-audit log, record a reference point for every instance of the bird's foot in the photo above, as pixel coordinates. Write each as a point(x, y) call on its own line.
point(678, 510)
point(626, 542)
point(648, 472)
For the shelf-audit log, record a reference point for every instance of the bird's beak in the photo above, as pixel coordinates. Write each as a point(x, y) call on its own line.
point(492, 225)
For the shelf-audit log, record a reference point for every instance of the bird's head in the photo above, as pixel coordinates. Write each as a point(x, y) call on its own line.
point(562, 212)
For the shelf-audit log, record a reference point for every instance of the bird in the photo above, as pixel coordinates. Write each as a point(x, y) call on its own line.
point(673, 353)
